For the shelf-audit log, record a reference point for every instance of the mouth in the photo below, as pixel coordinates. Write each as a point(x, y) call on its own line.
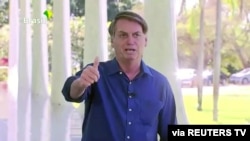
point(129, 50)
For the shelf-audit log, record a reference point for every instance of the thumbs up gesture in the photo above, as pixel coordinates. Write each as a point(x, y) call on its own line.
point(90, 74)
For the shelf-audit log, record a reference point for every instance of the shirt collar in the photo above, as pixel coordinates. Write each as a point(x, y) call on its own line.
point(113, 67)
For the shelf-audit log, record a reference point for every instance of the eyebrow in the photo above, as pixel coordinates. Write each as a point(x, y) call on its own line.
point(132, 33)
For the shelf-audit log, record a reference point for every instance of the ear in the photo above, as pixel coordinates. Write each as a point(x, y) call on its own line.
point(146, 41)
point(111, 41)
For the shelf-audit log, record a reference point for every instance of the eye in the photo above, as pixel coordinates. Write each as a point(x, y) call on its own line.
point(123, 35)
point(136, 35)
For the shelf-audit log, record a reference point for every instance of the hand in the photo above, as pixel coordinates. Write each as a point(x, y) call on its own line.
point(90, 74)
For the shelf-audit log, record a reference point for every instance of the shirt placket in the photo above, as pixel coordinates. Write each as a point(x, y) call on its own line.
point(130, 111)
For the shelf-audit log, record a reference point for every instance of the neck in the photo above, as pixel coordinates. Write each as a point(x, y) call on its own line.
point(131, 68)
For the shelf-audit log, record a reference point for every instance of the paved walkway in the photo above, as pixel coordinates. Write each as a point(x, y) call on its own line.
point(76, 126)
point(3, 112)
point(3, 129)
point(76, 120)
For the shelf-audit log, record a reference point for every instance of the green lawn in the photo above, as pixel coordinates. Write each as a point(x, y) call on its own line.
point(233, 107)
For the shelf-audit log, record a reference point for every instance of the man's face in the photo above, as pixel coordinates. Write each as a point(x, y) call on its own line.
point(128, 40)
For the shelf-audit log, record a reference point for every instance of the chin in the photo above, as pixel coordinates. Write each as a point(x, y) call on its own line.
point(131, 58)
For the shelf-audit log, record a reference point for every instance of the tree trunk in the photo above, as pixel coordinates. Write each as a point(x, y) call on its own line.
point(242, 9)
point(201, 57)
point(217, 61)
point(183, 7)
point(240, 53)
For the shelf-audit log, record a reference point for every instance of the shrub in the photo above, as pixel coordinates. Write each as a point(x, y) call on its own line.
point(3, 74)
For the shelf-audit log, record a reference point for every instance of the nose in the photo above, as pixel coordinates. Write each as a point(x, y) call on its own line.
point(130, 39)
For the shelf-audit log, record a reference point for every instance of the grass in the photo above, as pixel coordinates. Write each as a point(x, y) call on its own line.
point(233, 105)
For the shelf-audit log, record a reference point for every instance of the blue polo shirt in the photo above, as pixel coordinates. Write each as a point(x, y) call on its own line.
point(117, 109)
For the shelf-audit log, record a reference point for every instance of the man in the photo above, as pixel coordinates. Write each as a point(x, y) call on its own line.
point(124, 98)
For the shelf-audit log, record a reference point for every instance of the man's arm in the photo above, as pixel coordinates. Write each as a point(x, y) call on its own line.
point(69, 86)
point(76, 87)
point(167, 114)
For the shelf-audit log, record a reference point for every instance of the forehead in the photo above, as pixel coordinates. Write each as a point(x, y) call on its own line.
point(127, 25)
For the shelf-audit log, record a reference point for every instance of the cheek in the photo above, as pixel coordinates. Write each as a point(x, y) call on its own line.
point(116, 47)
point(119, 45)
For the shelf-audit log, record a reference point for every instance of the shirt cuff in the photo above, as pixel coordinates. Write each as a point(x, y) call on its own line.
point(66, 90)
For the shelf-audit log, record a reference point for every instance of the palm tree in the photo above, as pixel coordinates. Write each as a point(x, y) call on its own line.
point(201, 56)
point(217, 61)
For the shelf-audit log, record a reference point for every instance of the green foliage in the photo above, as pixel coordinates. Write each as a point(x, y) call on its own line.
point(114, 6)
point(4, 41)
point(77, 40)
point(3, 74)
point(193, 22)
point(76, 27)
point(110, 50)
point(4, 12)
point(233, 4)
point(77, 7)
point(50, 2)
point(235, 36)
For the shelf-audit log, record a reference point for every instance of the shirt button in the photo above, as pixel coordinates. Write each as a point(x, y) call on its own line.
point(129, 109)
point(130, 96)
point(130, 82)
point(129, 123)
point(120, 72)
point(128, 137)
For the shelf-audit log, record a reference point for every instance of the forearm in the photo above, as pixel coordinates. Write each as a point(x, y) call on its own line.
point(76, 89)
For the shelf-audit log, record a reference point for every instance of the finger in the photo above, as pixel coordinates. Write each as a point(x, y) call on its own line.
point(85, 75)
point(86, 84)
point(92, 77)
point(89, 79)
point(94, 72)
point(96, 62)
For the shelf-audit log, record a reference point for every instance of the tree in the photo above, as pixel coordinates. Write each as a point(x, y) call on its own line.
point(201, 56)
point(4, 12)
point(114, 6)
point(217, 61)
point(77, 7)
point(77, 41)
point(4, 39)
point(182, 8)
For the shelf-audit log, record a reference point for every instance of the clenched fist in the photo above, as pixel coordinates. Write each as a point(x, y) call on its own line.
point(90, 74)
